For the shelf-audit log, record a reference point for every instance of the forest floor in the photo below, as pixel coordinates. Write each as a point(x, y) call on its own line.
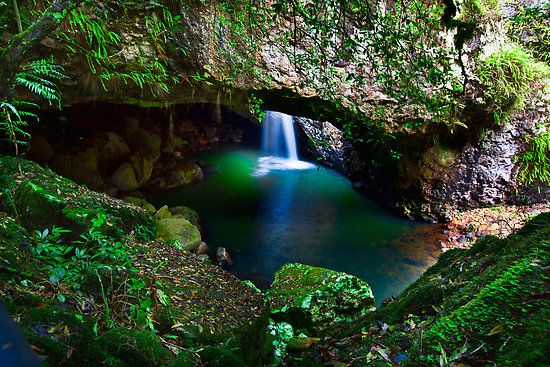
point(467, 227)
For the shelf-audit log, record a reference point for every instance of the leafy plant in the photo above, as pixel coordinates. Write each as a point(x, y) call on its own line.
point(39, 77)
point(535, 162)
point(509, 74)
point(255, 107)
point(530, 26)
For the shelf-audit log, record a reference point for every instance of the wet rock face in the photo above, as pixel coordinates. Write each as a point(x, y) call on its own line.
point(121, 149)
point(481, 174)
point(318, 301)
point(441, 179)
point(327, 142)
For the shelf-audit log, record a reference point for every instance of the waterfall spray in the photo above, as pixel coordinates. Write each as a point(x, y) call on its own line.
point(278, 145)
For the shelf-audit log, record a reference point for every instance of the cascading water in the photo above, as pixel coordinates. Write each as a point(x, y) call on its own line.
point(278, 145)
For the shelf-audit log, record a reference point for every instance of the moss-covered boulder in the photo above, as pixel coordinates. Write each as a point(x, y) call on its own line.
point(179, 230)
point(319, 301)
point(163, 213)
point(142, 143)
point(187, 213)
point(40, 198)
point(142, 203)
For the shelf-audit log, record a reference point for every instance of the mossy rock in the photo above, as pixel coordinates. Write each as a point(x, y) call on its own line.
point(220, 357)
point(187, 213)
point(39, 198)
point(139, 348)
point(142, 143)
point(319, 301)
point(142, 203)
point(179, 230)
point(163, 213)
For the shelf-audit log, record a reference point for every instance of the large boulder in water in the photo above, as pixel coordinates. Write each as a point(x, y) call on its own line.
point(319, 301)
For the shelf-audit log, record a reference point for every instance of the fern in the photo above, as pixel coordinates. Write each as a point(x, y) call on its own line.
point(535, 161)
point(12, 122)
point(40, 77)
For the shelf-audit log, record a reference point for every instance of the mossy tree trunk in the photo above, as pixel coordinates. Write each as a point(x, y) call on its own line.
point(23, 43)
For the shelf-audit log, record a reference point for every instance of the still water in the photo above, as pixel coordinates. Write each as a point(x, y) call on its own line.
point(268, 217)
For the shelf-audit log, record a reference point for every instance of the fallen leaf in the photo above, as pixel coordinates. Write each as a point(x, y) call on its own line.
point(497, 329)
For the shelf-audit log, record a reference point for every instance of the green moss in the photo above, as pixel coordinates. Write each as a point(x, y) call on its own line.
point(483, 297)
point(137, 348)
point(220, 357)
point(184, 359)
point(319, 300)
point(179, 230)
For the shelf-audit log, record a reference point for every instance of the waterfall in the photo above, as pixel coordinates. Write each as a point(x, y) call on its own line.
point(278, 145)
point(278, 139)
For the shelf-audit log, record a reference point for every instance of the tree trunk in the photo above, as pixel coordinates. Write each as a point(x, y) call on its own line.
point(21, 44)
point(17, 16)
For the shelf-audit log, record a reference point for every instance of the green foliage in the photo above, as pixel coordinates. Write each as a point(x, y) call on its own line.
point(39, 77)
point(476, 305)
point(137, 348)
point(509, 73)
point(220, 357)
point(530, 26)
point(70, 262)
point(255, 107)
point(89, 37)
point(535, 162)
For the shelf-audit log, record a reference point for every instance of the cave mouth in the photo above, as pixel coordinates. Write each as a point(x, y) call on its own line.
point(121, 149)
point(69, 125)
point(205, 157)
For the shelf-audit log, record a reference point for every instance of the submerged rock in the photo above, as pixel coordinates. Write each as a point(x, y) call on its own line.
point(319, 301)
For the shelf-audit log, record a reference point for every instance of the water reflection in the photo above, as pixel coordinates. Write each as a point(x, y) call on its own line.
point(311, 216)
